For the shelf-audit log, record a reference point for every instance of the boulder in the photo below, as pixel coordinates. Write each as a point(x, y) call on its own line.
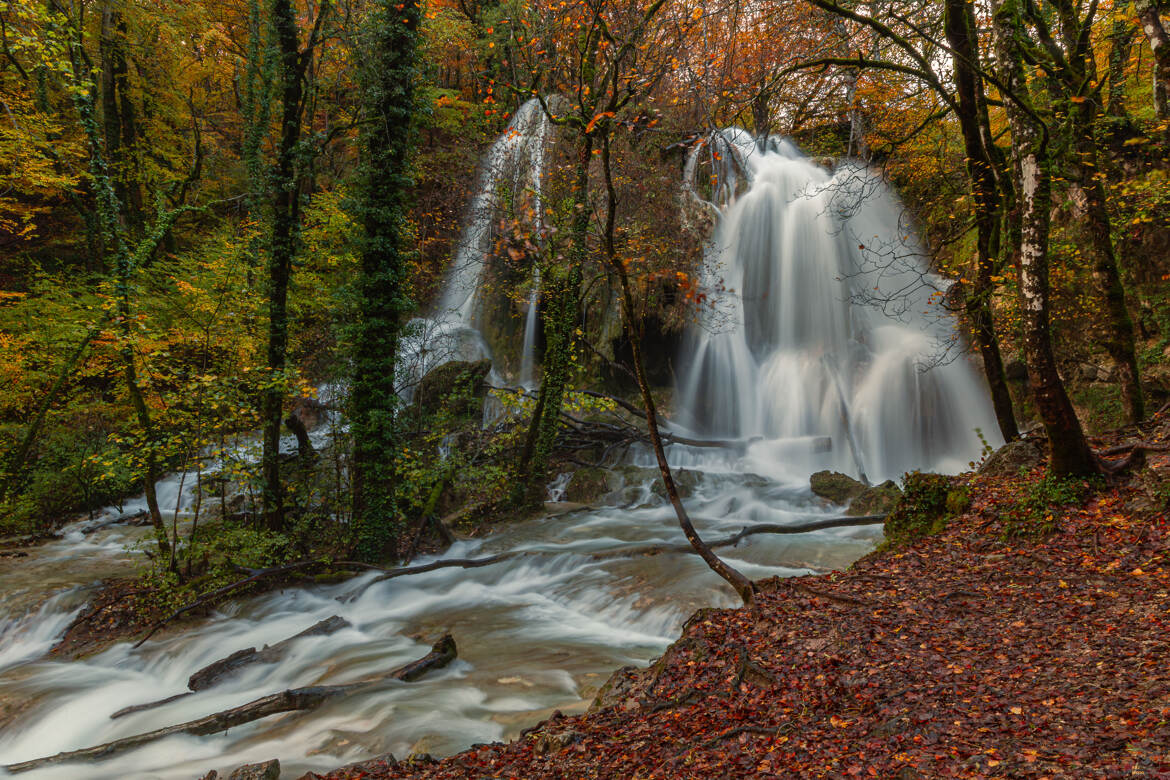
point(587, 485)
point(458, 387)
point(877, 500)
point(1011, 458)
point(268, 770)
point(836, 487)
point(685, 481)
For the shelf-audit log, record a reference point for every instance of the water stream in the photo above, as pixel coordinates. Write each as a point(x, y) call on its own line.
point(809, 378)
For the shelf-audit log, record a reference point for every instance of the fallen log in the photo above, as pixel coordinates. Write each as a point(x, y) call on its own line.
point(752, 530)
point(213, 672)
point(291, 700)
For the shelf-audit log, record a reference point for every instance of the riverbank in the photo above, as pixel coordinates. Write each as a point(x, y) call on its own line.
point(981, 650)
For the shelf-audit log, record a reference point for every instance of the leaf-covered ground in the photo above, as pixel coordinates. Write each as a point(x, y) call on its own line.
point(970, 653)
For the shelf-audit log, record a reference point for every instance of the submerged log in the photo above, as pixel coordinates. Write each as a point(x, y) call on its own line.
point(294, 699)
point(213, 672)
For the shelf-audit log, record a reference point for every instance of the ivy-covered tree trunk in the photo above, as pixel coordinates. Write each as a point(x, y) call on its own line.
point(285, 223)
point(388, 92)
point(960, 32)
point(111, 219)
point(562, 289)
point(1069, 452)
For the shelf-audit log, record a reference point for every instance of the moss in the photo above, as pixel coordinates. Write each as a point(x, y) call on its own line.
point(928, 503)
point(835, 487)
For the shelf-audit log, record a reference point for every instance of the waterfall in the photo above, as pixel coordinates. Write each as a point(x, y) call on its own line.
point(515, 161)
point(828, 325)
point(528, 357)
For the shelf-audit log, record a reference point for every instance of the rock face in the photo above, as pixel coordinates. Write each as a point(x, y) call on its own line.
point(836, 487)
point(877, 500)
point(1009, 459)
point(458, 387)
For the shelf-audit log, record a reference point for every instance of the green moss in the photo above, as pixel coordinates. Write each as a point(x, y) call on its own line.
point(928, 503)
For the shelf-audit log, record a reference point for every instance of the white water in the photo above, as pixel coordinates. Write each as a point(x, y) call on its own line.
point(541, 631)
point(515, 162)
point(788, 352)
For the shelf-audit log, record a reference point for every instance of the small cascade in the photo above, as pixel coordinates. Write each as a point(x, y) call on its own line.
point(452, 332)
point(528, 358)
point(828, 329)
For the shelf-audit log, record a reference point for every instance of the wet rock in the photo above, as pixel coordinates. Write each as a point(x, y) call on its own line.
point(836, 487)
point(877, 500)
point(587, 486)
point(268, 770)
point(1011, 458)
point(372, 767)
point(1091, 372)
point(617, 688)
point(458, 387)
point(684, 479)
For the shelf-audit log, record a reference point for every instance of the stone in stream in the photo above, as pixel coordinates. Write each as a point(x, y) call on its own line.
point(876, 500)
point(267, 770)
point(836, 487)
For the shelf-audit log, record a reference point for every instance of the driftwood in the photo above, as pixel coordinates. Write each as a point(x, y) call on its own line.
point(475, 563)
point(293, 699)
point(751, 530)
point(211, 674)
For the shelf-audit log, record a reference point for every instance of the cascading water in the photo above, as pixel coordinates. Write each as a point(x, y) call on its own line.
point(790, 352)
point(544, 630)
point(452, 332)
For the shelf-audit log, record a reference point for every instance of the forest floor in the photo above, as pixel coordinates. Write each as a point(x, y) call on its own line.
point(985, 649)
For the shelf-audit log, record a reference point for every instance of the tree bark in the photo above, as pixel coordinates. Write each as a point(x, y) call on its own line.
point(1149, 14)
point(960, 32)
point(1120, 44)
point(741, 584)
point(285, 224)
point(1069, 452)
point(388, 93)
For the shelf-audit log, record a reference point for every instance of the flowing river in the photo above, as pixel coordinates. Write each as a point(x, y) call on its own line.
point(799, 369)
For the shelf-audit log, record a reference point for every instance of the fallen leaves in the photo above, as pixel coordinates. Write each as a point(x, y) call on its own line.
point(969, 654)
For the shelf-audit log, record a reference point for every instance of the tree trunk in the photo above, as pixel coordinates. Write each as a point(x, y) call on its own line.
point(741, 584)
point(1069, 452)
point(285, 222)
point(1120, 44)
point(960, 32)
point(1150, 15)
point(389, 98)
point(1118, 325)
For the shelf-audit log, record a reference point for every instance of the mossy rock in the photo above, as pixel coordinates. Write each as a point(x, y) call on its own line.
point(836, 487)
point(458, 388)
point(1012, 458)
point(685, 481)
point(877, 500)
point(588, 485)
point(928, 503)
